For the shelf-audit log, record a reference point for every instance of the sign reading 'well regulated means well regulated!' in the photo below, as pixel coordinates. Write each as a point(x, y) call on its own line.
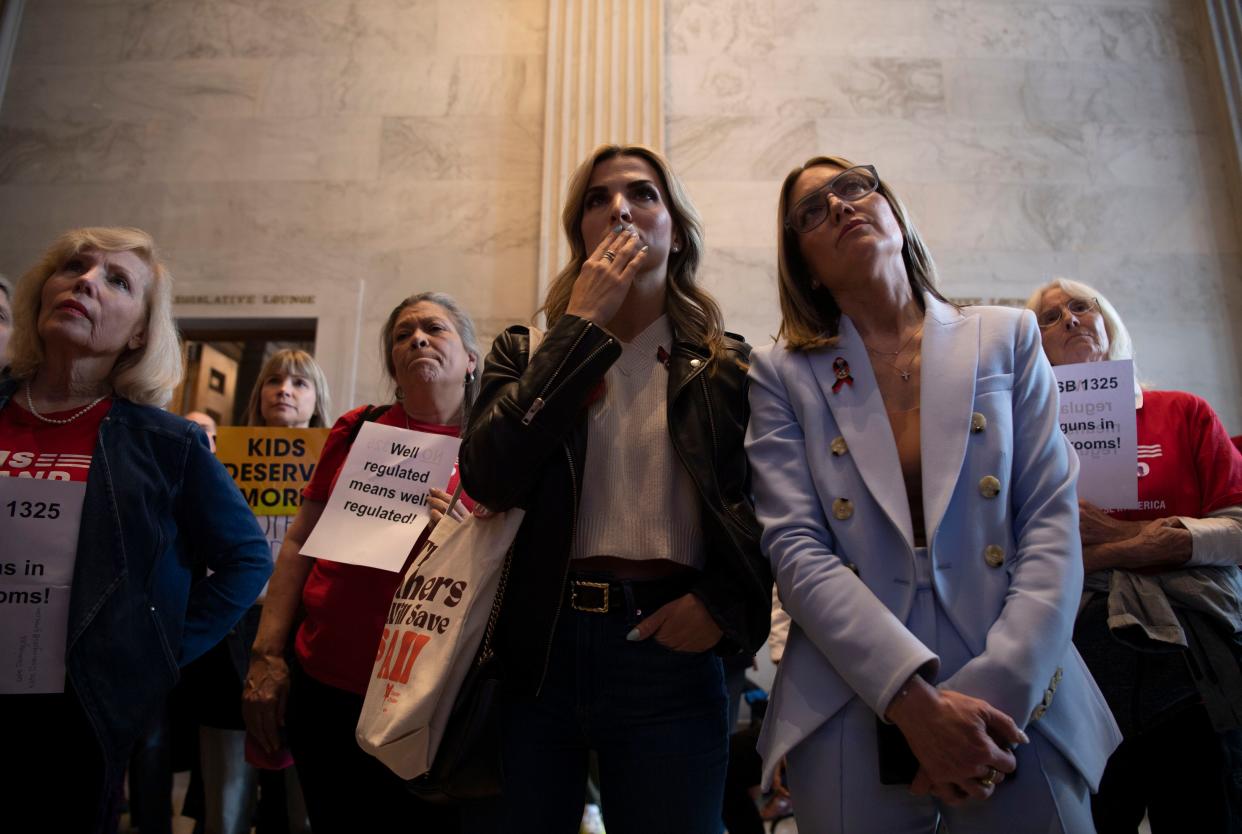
point(1097, 416)
point(379, 504)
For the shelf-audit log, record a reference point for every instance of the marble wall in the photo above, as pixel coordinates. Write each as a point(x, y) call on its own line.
point(396, 145)
point(1030, 139)
point(310, 144)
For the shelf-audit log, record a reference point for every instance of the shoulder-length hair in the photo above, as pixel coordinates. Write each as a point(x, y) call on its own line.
point(291, 362)
point(810, 317)
point(146, 375)
point(694, 314)
point(1120, 345)
point(465, 329)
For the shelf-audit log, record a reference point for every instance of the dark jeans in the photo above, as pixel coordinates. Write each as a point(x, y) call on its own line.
point(57, 777)
point(655, 717)
point(1181, 772)
point(346, 789)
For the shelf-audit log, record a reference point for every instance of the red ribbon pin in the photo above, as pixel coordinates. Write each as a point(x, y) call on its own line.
point(842, 370)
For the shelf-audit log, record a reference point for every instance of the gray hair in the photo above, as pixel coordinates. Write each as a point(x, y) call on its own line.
point(465, 330)
point(1120, 345)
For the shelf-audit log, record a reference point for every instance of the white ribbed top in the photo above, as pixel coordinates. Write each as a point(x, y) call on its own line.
point(638, 501)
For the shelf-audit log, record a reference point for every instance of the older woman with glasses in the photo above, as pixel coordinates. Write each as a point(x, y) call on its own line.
point(921, 536)
point(1178, 704)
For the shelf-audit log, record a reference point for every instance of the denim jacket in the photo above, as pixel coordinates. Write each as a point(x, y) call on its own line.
point(158, 505)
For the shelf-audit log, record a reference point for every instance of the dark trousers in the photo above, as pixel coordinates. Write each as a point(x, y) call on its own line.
point(655, 717)
point(740, 814)
point(1184, 775)
point(346, 789)
point(57, 779)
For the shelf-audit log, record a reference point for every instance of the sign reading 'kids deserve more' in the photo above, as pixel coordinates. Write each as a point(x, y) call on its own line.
point(379, 503)
point(270, 465)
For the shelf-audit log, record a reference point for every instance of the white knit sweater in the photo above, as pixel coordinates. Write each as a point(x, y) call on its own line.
point(638, 501)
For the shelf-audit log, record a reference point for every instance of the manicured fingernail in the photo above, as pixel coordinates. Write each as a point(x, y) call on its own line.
point(618, 228)
point(645, 248)
point(1023, 737)
point(633, 635)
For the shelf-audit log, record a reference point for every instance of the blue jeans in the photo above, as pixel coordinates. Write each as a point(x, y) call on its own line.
point(655, 717)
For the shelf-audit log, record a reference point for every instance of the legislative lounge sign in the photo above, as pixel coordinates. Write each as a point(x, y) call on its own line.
point(270, 465)
point(1097, 416)
point(379, 503)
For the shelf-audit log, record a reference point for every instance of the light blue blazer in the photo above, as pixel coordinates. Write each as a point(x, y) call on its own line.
point(1006, 564)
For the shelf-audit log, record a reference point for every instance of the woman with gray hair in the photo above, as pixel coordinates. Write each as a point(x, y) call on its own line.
point(94, 357)
point(432, 356)
point(1178, 702)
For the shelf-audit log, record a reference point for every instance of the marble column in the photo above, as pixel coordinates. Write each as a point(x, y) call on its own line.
point(1224, 20)
point(605, 70)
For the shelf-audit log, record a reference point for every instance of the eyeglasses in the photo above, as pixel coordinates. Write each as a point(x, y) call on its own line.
point(851, 185)
point(1078, 306)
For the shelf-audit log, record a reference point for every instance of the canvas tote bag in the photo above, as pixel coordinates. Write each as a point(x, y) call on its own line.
point(437, 639)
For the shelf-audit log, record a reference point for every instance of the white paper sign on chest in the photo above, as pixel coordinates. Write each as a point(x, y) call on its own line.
point(379, 503)
point(39, 523)
point(1097, 416)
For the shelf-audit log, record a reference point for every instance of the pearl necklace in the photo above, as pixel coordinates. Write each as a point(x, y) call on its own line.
point(61, 421)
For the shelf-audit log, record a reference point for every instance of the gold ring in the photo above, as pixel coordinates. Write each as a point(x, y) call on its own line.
point(610, 255)
point(990, 780)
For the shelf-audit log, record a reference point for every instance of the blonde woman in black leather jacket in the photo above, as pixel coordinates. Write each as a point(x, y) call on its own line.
point(638, 562)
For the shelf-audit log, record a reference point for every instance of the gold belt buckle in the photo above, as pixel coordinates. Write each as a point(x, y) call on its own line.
point(601, 586)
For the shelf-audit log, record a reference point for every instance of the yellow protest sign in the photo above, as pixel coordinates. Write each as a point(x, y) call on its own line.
point(270, 465)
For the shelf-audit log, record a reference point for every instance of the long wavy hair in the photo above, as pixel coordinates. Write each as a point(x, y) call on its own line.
point(810, 317)
point(694, 314)
point(146, 375)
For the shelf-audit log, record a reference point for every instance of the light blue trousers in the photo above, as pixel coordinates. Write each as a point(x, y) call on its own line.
point(834, 772)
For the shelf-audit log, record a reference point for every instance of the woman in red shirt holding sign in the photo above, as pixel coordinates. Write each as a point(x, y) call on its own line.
point(1178, 700)
point(432, 356)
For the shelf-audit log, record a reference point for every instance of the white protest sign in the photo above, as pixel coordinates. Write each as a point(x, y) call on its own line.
point(1097, 415)
point(39, 523)
point(379, 504)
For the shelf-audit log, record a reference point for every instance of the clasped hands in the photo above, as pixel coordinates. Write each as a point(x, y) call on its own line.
point(963, 744)
point(1153, 546)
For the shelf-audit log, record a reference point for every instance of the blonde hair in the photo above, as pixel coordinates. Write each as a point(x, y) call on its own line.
point(693, 312)
point(145, 375)
point(810, 317)
point(290, 362)
point(1120, 345)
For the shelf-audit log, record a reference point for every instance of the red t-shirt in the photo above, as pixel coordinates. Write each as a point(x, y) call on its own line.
point(1187, 465)
point(346, 605)
point(31, 448)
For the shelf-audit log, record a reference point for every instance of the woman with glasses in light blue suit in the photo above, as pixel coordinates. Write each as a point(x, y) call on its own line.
point(919, 510)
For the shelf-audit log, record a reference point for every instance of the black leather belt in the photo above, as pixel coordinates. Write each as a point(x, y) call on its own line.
point(600, 595)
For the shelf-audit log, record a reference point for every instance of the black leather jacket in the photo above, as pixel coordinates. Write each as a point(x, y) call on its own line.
point(526, 445)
